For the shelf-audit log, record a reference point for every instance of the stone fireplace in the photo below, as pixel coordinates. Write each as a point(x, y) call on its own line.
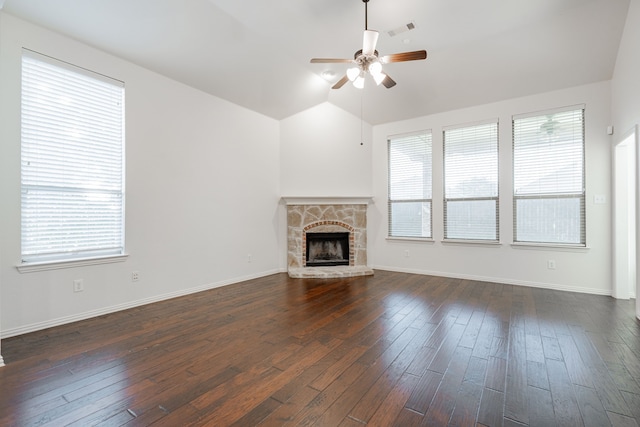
point(333, 231)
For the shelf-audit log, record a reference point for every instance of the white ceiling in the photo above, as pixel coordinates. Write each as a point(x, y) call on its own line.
point(256, 53)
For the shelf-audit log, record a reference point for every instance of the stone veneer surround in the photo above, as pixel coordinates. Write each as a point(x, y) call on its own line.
point(327, 215)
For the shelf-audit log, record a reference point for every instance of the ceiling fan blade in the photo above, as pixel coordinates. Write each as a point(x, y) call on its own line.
point(388, 82)
point(404, 56)
point(369, 41)
point(340, 83)
point(329, 60)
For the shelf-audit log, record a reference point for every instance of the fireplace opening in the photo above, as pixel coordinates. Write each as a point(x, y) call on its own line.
point(327, 249)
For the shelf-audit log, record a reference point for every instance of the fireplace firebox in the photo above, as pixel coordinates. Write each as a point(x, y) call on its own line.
point(327, 249)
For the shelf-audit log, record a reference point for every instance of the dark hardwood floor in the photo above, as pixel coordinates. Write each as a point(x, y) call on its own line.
point(383, 350)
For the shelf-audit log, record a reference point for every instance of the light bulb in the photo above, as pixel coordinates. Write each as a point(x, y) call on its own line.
point(353, 73)
point(379, 78)
point(359, 82)
point(375, 68)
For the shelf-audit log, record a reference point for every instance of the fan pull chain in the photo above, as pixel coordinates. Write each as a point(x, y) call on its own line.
point(361, 119)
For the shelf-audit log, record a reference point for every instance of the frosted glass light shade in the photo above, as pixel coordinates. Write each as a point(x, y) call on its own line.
point(353, 73)
point(379, 77)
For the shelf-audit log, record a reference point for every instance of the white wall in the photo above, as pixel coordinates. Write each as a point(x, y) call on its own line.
point(625, 85)
point(202, 192)
point(322, 154)
point(584, 270)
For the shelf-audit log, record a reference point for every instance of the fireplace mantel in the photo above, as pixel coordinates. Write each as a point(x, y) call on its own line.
point(325, 200)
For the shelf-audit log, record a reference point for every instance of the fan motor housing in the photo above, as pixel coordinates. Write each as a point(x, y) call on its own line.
point(364, 61)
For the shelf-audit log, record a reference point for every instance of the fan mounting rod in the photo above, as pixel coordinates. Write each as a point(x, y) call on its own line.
point(366, 27)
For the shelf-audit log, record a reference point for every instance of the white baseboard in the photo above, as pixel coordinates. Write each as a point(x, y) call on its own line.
point(502, 280)
point(12, 332)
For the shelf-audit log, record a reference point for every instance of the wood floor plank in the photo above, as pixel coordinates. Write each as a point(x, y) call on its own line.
point(576, 367)
point(537, 375)
point(551, 348)
point(240, 403)
point(407, 418)
point(484, 344)
point(565, 405)
point(363, 397)
point(388, 349)
point(593, 413)
point(389, 410)
point(422, 395)
point(496, 374)
point(516, 396)
point(466, 406)
point(541, 400)
point(491, 411)
point(633, 401)
point(623, 379)
point(290, 408)
point(618, 420)
point(314, 410)
point(443, 403)
point(604, 385)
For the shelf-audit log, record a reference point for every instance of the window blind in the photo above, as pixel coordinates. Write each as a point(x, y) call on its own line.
point(71, 162)
point(548, 174)
point(410, 178)
point(471, 182)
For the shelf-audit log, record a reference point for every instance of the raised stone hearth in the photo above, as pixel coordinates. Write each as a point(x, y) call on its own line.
point(326, 215)
point(329, 272)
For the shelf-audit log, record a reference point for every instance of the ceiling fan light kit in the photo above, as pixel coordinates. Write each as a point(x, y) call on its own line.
point(366, 60)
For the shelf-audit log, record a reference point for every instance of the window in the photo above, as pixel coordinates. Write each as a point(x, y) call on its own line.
point(471, 182)
point(548, 175)
point(72, 162)
point(410, 164)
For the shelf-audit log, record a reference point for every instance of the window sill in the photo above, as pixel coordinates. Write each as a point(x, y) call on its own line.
point(550, 247)
point(32, 267)
point(410, 239)
point(471, 242)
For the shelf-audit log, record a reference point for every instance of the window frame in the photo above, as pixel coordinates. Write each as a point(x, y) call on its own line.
point(391, 202)
point(581, 196)
point(496, 199)
point(63, 179)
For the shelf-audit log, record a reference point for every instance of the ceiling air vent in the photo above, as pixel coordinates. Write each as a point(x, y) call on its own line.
point(410, 26)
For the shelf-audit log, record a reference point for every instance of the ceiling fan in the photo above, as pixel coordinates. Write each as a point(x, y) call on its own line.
point(366, 60)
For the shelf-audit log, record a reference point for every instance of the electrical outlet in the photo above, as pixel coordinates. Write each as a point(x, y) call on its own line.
point(551, 264)
point(406, 254)
point(78, 285)
point(135, 276)
point(249, 258)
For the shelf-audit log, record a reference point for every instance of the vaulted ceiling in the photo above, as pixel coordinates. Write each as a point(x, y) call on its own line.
point(256, 53)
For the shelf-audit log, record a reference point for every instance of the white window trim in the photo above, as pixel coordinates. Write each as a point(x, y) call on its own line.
point(33, 267)
point(107, 256)
point(570, 247)
point(391, 202)
point(496, 198)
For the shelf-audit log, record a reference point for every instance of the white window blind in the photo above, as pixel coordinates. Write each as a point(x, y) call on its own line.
point(548, 174)
point(471, 182)
point(72, 162)
point(410, 175)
